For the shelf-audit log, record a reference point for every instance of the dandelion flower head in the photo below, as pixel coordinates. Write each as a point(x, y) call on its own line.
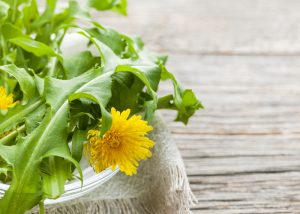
point(124, 145)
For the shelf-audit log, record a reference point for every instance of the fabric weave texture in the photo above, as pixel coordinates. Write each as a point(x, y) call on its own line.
point(161, 185)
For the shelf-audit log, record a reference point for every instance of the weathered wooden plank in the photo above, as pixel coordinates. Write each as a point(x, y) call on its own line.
point(230, 146)
point(222, 71)
point(241, 164)
point(269, 105)
point(248, 193)
point(242, 152)
point(214, 27)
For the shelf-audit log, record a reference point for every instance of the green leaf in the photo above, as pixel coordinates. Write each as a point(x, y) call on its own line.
point(37, 48)
point(55, 179)
point(40, 84)
point(109, 60)
point(25, 80)
point(119, 6)
point(185, 100)
point(126, 89)
point(122, 45)
point(189, 105)
point(10, 31)
point(76, 10)
point(78, 64)
point(150, 76)
point(4, 172)
point(91, 85)
point(166, 102)
point(62, 97)
point(33, 119)
point(7, 153)
point(99, 91)
point(15, 2)
point(49, 139)
point(47, 15)
point(79, 137)
point(29, 14)
point(109, 37)
point(11, 57)
point(4, 7)
point(53, 87)
point(17, 115)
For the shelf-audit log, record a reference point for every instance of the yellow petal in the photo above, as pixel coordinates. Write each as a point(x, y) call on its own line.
point(124, 145)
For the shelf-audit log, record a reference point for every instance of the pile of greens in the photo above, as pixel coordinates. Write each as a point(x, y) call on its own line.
point(61, 97)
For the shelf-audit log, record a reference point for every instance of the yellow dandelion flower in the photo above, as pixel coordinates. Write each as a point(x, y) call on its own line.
point(6, 101)
point(123, 145)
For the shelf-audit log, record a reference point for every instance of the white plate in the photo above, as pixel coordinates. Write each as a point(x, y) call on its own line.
point(73, 189)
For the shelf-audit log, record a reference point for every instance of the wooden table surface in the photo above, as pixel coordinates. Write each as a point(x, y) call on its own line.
point(241, 57)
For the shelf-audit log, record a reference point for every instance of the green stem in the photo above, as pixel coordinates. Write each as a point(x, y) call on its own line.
point(4, 76)
point(52, 69)
point(12, 135)
point(14, 12)
point(54, 61)
point(3, 46)
point(42, 208)
point(19, 116)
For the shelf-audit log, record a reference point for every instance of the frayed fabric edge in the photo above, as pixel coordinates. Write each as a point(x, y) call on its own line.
point(169, 191)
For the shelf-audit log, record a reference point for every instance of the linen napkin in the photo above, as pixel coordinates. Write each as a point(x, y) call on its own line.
point(161, 185)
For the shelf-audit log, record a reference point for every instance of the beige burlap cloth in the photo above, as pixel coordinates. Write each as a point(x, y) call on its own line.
point(161, 185)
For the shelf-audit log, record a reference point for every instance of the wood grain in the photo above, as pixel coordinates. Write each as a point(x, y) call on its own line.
point(241, 57)
point(242, 152)
point(214, 27)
